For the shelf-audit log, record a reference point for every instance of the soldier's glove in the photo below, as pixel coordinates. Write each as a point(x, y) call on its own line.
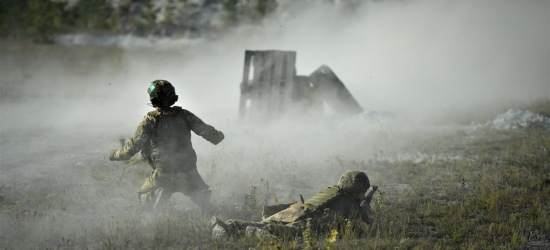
point(219, 139)
point(112, 155)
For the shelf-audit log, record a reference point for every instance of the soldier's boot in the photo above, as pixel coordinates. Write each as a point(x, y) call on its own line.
point(162, 196)
point(252, 231)
point(202, 199)
point(219, 228)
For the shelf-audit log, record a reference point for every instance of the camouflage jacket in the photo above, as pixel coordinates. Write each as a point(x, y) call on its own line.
point(338, 200)
point(164, 139)
point(330, 201)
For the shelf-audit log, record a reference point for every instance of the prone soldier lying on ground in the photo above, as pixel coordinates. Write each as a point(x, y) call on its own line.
point(327, 210)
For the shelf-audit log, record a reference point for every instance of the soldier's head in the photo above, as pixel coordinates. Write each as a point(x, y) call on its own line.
point(162, 94)
point(354, 182)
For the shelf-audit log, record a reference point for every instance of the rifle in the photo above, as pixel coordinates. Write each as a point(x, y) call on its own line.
point(368, 197)
point(365, 205)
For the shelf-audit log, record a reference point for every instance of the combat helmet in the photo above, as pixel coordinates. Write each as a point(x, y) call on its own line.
point(354, 182)
point(162, 93)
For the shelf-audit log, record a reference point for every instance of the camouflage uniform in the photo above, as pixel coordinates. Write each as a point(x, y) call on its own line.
point(326, 211)
point(164, 139)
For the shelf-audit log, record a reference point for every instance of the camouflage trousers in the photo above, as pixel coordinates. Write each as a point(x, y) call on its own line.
point(320, 225)
point(238, 228)
point(160, 186)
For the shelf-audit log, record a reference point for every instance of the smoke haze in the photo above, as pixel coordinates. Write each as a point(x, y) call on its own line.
point(64, 108)
point(416, 58)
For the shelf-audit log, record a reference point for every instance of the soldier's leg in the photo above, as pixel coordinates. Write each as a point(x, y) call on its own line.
point(146, 197)
point(192, 185)
point(162, 195)
point(285, 231)
point(239, 227)
point(154, 193)
point(259, 232)
point(219, 228)
point(202, 199)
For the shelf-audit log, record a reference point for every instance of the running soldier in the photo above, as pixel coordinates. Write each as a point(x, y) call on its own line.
point(164, 139)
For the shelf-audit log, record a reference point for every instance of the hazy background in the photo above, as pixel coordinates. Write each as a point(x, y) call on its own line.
point(415, 58)
point(427, 62)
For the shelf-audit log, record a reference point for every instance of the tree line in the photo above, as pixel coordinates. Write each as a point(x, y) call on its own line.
point(42, 20)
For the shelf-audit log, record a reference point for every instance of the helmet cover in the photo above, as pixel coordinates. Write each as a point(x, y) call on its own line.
point(162, 93)
point(354, 182)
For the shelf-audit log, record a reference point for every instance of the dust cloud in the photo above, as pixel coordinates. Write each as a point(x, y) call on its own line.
point(64, 108)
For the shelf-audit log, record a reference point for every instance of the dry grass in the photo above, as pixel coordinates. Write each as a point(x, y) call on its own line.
point(466, 189)
point(493, 193)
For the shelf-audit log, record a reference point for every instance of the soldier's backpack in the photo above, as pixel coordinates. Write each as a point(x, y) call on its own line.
point(147, 148)
point(288, 213)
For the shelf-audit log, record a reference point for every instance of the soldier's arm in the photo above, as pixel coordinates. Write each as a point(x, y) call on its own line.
point(206, 131)
point(135, 144)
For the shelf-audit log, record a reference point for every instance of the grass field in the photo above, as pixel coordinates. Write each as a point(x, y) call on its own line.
point(442, 186)
point(469, 189)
